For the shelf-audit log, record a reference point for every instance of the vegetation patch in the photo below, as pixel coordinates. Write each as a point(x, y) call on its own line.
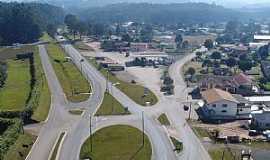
point(224, 154)
point(200, 132)
point(118, 142)
point(164, 120)
point(74, 84)
point(178, 146)
point(21, 147)
point(110, 106)
point(134, 91)
point(76, 112)
point(15, 92)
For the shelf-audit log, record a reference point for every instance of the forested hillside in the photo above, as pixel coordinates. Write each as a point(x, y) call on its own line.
point(25, 22)
point(160, 13)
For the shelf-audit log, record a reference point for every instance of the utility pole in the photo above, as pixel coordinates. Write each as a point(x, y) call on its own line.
point(91, 137)
point(142, 128)
point(190, 108)
point(112, 99)
point(107, 82)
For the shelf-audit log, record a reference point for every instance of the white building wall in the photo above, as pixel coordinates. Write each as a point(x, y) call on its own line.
point(218, 108)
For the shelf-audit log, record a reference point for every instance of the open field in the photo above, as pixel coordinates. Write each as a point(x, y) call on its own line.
point(20, 149)
point(110, 106)
point(119, 142)
point(135, 92)
point(14, 94)
point(164, 120)
point(74, 84)
point(218, 153)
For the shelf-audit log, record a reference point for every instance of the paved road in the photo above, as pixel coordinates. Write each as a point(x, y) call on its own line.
point(162, 148)
point(78, 127)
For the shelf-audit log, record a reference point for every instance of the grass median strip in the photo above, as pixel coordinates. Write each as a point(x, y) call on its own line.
point(74, 84)
point(178, 146)
point(56, 147)
point(110, 106)
point(133, 91)
point(117, 142)
point(164, 120)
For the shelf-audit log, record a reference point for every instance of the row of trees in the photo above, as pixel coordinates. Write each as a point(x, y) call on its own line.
point(3, 73)
point(25, 22)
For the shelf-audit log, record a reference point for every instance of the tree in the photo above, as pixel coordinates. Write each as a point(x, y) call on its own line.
point(72, 23)
point(126, 37)
point(185, 44)
point(191, 71)
point(19, 25)
point(245, 65)
point(51, 30)
point(82, 28)
point(263, 52)
point(146, 33)
point(209, 44)
point(231, 62)
point(216, 55)
point(178, 38)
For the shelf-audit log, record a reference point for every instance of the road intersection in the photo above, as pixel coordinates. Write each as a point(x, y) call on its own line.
point(77, 127)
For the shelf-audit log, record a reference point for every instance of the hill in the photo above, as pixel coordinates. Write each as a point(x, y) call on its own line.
point(160, 13)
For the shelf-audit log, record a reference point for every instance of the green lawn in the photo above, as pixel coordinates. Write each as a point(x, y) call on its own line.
point(15, 92)
point(135, 92)
point(200, 132)
point(43, 93)
point(117, 143)
point(217, 154)
point(74, 84)
point(82, 46)
point(178, 146)
point(164, 120)
point(110, 106)
point(46, 37)
point(21, 148)
point(56, 147)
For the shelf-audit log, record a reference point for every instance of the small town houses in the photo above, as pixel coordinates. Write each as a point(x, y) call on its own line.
point(218, 104)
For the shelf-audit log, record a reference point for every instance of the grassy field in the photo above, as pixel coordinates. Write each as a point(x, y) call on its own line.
point(82, 46)
point(120, 143)
point(21, 148)
point(164, 120)
point(217, 154)
point(177, 145)
point(56, 147)
point(110, 106)
point(16, 90)
point(133, 91)
point(71, 79)
point(43, 93)
point(200, 132)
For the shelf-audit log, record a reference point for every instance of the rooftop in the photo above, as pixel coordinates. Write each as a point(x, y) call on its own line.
point(261, 37)
point(215, 95)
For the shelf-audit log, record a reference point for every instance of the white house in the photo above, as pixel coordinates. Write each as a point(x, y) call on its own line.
point(261, 119)
point(219, 103)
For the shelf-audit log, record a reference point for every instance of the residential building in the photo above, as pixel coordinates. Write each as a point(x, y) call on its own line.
point(139, 47)
point(262, 38)
point(260, 120)
point(266, 68)
point(219, 104)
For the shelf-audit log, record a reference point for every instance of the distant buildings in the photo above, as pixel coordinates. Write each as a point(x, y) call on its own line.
point(262, 38)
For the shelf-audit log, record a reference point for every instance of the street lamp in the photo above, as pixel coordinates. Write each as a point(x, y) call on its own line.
point(81, 61)
point(114, 84)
